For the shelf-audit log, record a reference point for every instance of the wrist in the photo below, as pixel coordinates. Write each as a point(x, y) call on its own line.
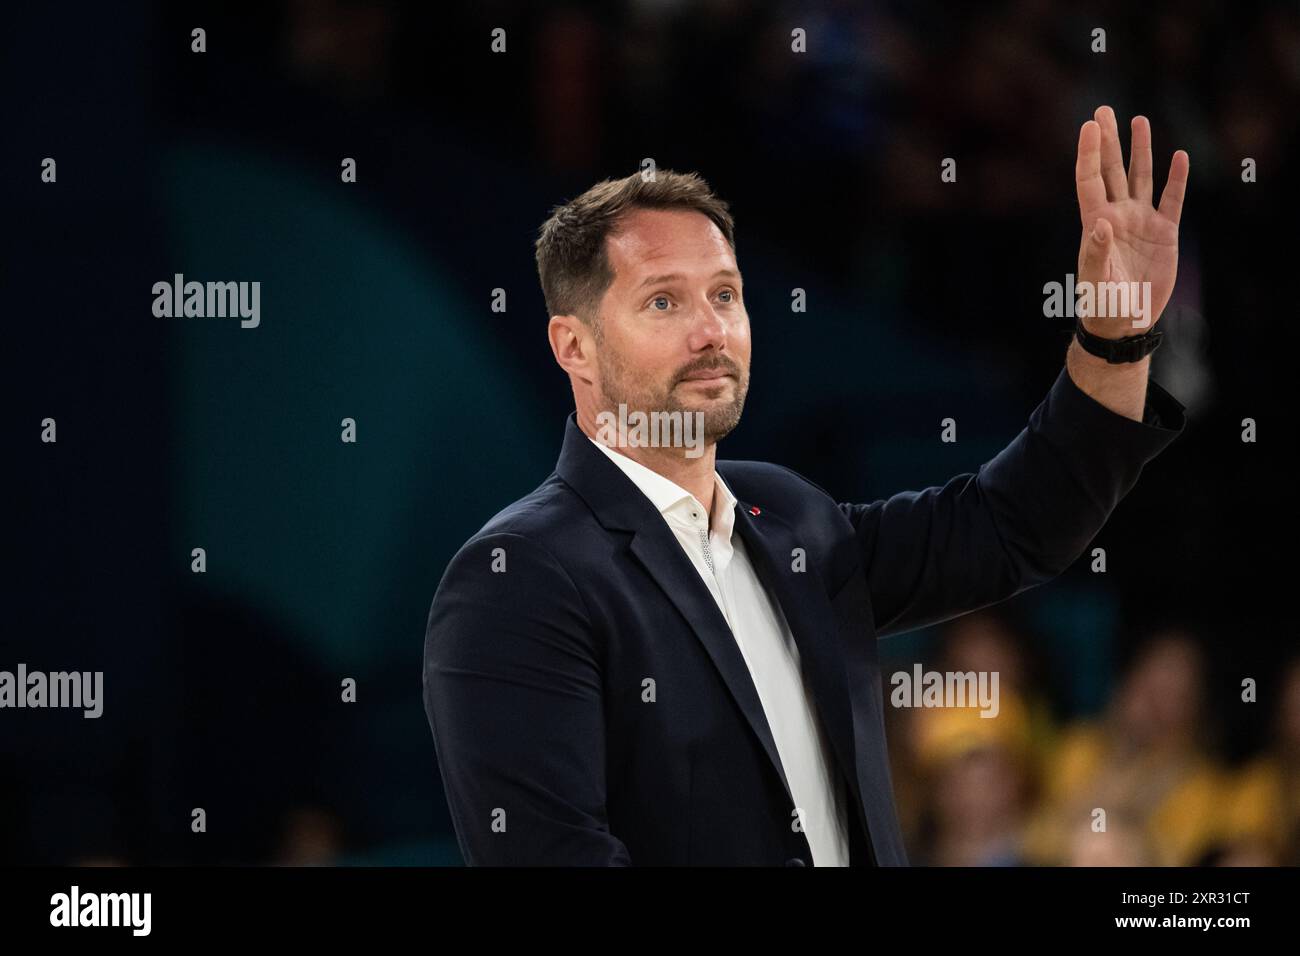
point(1120, 349)
point(1081, 357)
point(1119, 388)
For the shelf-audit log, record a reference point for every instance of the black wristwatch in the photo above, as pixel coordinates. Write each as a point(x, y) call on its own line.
point(1131, 348)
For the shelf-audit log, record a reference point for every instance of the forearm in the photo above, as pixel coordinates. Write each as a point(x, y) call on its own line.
point(1120, 388)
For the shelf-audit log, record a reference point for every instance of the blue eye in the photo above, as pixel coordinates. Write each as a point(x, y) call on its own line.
point(659, 298)
point(727, 292)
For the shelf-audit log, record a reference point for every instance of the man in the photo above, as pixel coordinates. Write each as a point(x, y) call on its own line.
point(661, 658)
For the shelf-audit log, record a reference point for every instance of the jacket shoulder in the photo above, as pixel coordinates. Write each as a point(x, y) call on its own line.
point(538, 515)
point(531, 534)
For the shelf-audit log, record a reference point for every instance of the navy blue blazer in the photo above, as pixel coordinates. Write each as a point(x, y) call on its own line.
point(551, 622)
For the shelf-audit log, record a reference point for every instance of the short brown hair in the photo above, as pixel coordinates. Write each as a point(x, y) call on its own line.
point(572, 262)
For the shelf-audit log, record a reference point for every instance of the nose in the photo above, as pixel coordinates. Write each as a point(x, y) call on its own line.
point(709, 330)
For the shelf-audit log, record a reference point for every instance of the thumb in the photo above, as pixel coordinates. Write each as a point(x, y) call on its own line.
point(1095, 257)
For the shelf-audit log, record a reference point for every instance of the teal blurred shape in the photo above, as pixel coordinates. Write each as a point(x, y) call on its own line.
point(345, 543)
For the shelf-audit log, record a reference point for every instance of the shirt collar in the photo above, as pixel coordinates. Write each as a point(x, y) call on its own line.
point(672, 500)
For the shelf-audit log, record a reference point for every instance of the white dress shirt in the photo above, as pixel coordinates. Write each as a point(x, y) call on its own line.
point(765, 642)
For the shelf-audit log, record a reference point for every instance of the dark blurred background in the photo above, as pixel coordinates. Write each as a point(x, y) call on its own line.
point(223, 689)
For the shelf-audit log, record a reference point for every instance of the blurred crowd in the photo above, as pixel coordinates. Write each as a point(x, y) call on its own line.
point(1142, 783)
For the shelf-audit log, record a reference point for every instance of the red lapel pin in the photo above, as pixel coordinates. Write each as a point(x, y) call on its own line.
point(755, 510)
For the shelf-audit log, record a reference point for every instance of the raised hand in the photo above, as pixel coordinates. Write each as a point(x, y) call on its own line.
point(1125, 238)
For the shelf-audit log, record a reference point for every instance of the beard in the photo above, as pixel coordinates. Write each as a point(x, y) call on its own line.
point(620, 385)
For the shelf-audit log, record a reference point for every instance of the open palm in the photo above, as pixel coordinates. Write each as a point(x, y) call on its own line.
point(1125, 238)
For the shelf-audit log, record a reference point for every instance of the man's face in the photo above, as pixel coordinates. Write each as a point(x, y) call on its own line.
point(675, 334)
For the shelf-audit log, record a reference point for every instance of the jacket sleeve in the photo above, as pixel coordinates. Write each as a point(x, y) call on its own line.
point(512, 690)
point(1018, 521)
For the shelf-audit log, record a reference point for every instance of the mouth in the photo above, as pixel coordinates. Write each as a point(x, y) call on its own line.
point(708, 377)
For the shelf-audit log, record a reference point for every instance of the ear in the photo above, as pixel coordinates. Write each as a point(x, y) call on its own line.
point(573, 346)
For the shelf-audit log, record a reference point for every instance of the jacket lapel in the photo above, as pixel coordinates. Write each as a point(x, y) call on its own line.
point(771, 543)
point(662, 556)
point(620, 506)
